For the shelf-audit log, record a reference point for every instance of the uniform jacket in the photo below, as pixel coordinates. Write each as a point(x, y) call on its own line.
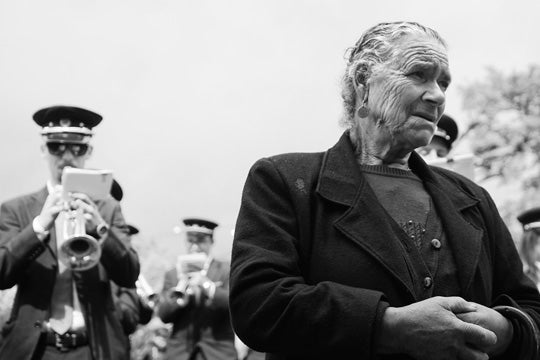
point(132, 310)
point(206, 328)
point(32, 265)
point(316, 259)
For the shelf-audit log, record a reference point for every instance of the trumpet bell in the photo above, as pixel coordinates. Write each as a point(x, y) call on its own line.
point(80, 252)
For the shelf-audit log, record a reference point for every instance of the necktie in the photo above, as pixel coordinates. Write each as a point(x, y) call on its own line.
point(62, 296)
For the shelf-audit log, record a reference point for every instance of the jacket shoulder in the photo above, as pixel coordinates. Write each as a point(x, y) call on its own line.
point(24, 199)
point(450, 178)
point(293, 163)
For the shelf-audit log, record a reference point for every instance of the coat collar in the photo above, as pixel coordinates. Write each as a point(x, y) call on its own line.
point(340, 178)
point(366, 222)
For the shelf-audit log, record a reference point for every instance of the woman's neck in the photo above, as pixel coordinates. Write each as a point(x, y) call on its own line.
point(370, 152)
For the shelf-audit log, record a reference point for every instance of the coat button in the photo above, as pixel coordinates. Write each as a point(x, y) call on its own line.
point(428, 282)
point(436, 243)
point(37, 324)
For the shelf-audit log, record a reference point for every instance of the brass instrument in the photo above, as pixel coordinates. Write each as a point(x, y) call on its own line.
point(79, 251)
point(183, 291)
point(145, 291)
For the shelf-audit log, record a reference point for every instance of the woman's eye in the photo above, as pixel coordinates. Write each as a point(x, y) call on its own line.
point(417, 75)
point(444, 85)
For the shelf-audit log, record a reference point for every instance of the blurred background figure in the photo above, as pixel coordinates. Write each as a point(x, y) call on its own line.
point(530, 243)
point(135, 306)
point(443, 138)
point(439, 151)
point(195, 299)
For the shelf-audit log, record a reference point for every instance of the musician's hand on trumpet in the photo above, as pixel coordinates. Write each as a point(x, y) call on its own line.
point(78, 249)
point(90, 211)
point(207, 287)
point(181, 294)
point(145, 292)
point(53, 205)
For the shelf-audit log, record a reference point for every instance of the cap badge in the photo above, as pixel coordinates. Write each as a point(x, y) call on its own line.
point(65, 122)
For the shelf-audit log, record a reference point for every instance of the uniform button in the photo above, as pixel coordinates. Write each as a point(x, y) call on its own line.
point(436, 243)
point(428, 282)
point(37, 324)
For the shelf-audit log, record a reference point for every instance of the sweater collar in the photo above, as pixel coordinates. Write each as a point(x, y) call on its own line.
point(341, 180)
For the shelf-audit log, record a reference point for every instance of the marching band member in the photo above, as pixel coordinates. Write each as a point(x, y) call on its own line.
point(59, 313)
point(444, 136)
point(530, 243)
point(195, 300)
point(135, 305)
point(438, 151)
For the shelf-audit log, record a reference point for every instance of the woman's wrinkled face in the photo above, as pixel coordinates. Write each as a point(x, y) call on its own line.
point(407, 93)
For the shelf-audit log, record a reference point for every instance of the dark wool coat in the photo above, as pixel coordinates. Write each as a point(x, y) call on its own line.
point(32, 265)
point(205, 329)
point(316, 259)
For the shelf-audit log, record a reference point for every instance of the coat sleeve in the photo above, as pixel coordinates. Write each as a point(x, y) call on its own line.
point(512, 287)
point(273, 308)
point(220, 301)
point(133, 310)
point(19, 246)
point(118, 257)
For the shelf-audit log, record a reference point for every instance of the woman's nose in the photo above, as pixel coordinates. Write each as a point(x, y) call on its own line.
point(434, 94)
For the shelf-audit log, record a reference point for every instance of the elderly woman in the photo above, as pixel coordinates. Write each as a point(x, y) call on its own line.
point(364, 251)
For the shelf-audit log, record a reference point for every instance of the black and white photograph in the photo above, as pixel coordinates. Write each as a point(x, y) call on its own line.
point(279, 180)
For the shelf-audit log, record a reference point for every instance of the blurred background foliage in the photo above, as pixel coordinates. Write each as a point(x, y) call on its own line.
point(503, 131)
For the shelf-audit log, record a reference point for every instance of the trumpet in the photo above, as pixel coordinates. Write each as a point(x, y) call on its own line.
point(79, 251)
point(145, 291)
point(184, 291)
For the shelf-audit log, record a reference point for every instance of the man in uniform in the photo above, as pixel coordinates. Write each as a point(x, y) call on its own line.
point(530, 243)
point(195, 300)
point(443, 139)
point(135, 307)
point(437, 152)
point(59, 313)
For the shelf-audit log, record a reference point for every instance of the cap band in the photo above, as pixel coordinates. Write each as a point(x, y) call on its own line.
point(67, 138)
point(66, 129)
point(533, 225)
point(197, 228)
point(63, 134)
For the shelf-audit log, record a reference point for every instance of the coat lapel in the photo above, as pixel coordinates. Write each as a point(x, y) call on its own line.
point(364, 221)
point(465, 240)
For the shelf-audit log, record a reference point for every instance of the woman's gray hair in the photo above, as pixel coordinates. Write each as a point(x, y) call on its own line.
point(375, 47)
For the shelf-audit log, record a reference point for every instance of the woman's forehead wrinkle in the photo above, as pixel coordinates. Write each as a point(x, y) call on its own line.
point(421, 54)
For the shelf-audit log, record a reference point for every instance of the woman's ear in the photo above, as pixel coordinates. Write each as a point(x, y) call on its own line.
point(361, 92)
point(360, 80)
